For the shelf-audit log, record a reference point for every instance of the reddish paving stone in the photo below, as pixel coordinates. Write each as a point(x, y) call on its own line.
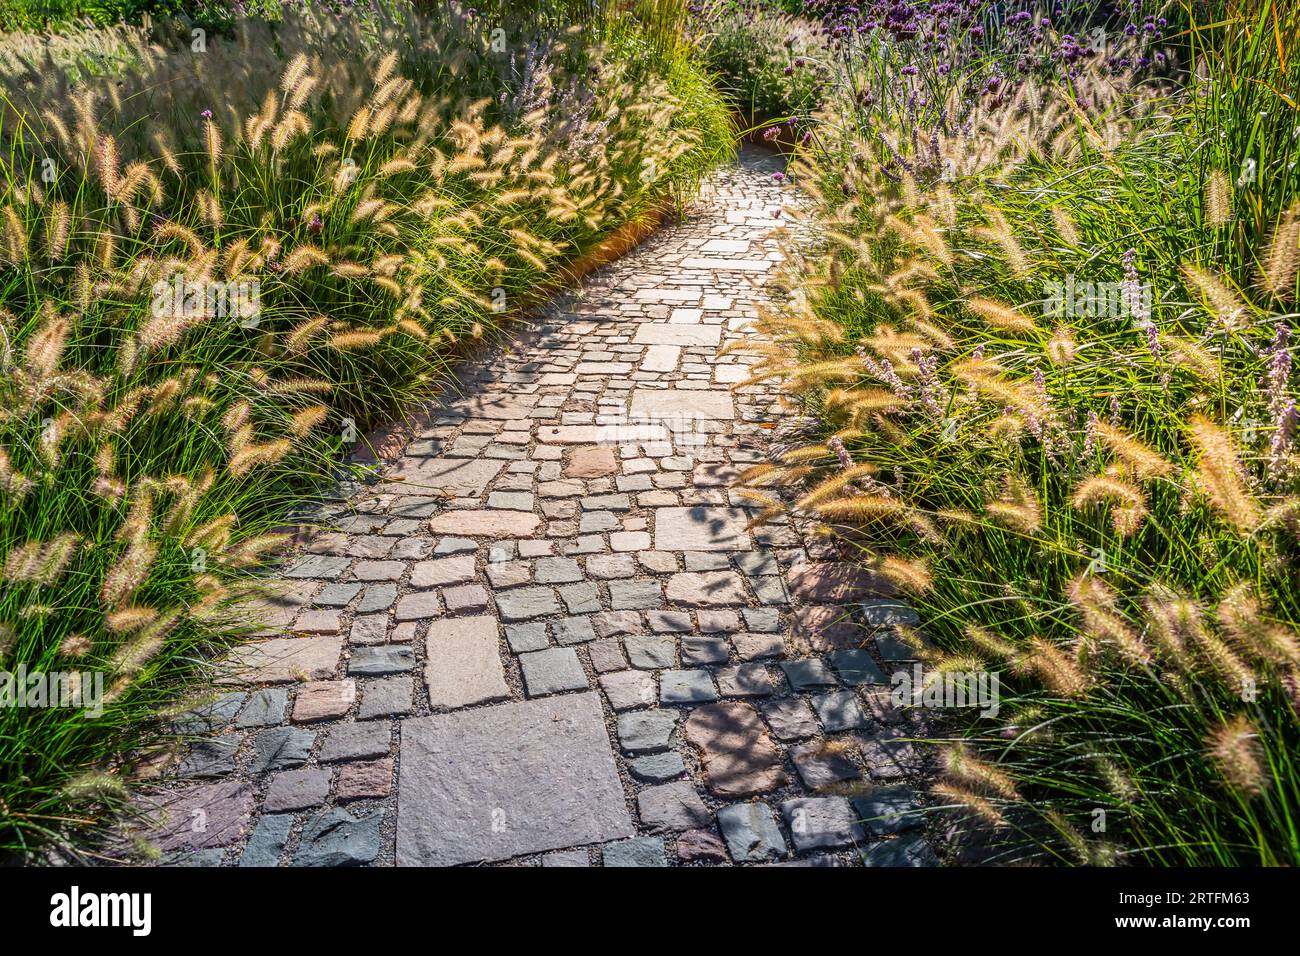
point(485, 523)
point(594, 462)
point(323, 700)
point(199, 818)
point(824, 628)
point(701, 846)
point(371, 780)
point(283, 659)
point(816, 582)
point(738, 753)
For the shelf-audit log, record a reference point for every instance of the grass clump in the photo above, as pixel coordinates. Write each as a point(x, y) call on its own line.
point(1050, 336)
point(224, 259)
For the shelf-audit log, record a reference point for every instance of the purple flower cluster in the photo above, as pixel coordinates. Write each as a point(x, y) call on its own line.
point(884, 371)
point(1280, 405)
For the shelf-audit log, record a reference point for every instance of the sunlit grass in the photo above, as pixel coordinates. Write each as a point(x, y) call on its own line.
point(1101, 506)
point(390, 185)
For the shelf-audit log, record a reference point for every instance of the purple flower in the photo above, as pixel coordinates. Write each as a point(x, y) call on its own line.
point(206, 114)
point(1284, 430)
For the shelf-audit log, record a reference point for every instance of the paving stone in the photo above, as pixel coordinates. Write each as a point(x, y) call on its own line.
point(297, 790)
point(607, 566)
point(616, 623)
point(526, 637)
point(567, 858)
point(754, 647)
point(658, 562)
point(669, 622)
point(338, 838)
point(167, 819)
point(465, 599)
point(285, 659)
point(323, 700)
point(379, 570)
point(628, 689)
point(390, 697)
point(522, 604)
point(790, 718)
point(418, 606)
point(486, 524)
point(893, 648)
point(454, 477)
point(820, 823)
point(686, 687)
point(365, 780)
point(839, 711)
point(909, 850)
point(718, 622)
point(369, 629)
point(264, 708)
point(738, 754)
point(701, 528)
point(557, 570)
point(281, 748)
point(463, 662)
point(889, 810)
point(888, 613)
point(706, 589)
point(646, 731)
point(607, 655)
point(751, 832)
point(672, 806)
point(498, 782)
point(443, 572)
point(808, 674)
point(580, 598)
point(638, 593)
point(212, 715)
point(592, 462)
point(705, 650)
point(337, 595)
point(378, 597)
point(651, 652)
point(267, 842)
point(210, 757)
point(856, 667)
point(706, 561)
point(745, 680)
point(455, 546)
point(820, 765)
point(657, 768)
point(552, 671)
point(573, 630)
point(353, 741)
point(661, 358)
point(762, 620)
point(511, 500)
point(379, 660)
point(654, 333)
point(639, 851)
point(821, 629)
point(891, 759)
point(700, 846)
point(317, 566)
point(629, 541)
point(833, 582)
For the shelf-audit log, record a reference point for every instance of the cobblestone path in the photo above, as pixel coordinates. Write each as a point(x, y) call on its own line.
point(549, 636)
